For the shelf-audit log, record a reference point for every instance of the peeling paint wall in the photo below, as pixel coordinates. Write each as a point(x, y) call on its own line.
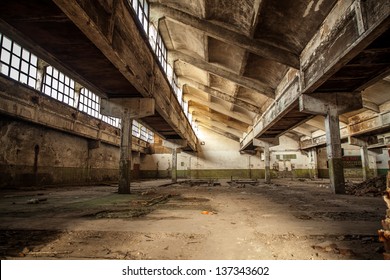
point(32, 155)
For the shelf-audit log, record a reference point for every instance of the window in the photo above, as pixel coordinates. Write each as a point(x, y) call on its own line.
point(286, 157)
point(59, 86)
point(135, 129)
point(90, 104)
point(161, 52)
point(17, 62)
point(141, 8)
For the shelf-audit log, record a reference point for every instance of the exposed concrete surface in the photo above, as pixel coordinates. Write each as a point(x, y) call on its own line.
point(283, 220)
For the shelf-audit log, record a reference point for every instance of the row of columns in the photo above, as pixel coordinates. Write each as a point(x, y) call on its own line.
point(331, 105)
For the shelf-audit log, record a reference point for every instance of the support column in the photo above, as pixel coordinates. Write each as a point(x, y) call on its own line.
point(125, 155)
point(267, 163)
point(363, 144)
point(174, 165)
point(333, 149)
point(265, 144)
point(126, 109)
point(365, 162)
point(331, 105)
point(315, 163)
point(174, 144)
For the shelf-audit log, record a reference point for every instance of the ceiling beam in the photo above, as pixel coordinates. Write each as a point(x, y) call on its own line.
point(195, 111)
point(218, 125)
point(218, 131)
point(219, 108)
point(371, 106)
point(319, 124)
point(219, 71)
point(303, 131)
point(259, 47)
point(220, 95)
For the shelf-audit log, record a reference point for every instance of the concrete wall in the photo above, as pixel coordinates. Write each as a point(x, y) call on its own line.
point(354, 172)
point(219, 157)
point(35, 155)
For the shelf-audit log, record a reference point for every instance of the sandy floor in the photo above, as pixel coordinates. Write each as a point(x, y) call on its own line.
point(191, 220)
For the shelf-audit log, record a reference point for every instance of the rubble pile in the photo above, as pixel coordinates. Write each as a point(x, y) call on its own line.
point(371, 187)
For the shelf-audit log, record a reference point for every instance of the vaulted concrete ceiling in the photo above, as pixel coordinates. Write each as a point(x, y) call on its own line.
point(230, 56)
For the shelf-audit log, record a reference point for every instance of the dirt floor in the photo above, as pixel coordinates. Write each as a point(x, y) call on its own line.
point(190, 220)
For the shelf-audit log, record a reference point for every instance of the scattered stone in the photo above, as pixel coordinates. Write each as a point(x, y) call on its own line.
point(371, 187)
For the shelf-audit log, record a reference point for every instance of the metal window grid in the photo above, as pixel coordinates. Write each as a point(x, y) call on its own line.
point(141, 8)
point(90, 103)
point(17, 63)
point(59, 86)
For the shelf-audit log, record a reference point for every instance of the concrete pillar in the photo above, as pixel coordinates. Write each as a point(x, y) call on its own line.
point(265, 144)
point(125, 155)
point(126, 109)
point(314, 163)
point(174, 144)
point(267, 163)
point(333, 148)
point(365, 161)
point(174, 165)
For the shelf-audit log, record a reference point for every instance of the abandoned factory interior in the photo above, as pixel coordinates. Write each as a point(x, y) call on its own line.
point(195, 129)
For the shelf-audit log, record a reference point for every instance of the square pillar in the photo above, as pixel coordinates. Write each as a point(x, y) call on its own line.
point(333, 148)
point(125, 155)
point(174, 165)
point(267, 164)
point(365, 162)
point(174, 144)
point(314, 164)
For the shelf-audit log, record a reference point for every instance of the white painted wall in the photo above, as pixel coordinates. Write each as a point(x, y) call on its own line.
point(219, 152)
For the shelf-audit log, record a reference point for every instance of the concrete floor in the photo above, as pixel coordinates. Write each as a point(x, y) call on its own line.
point(190, 220)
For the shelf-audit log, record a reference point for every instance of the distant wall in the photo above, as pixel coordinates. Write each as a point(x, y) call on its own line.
point(31, 155)
point(219, 157)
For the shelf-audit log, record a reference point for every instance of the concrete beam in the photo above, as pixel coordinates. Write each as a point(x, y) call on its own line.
point(317, 124)
point(196, 112)
point(135, 107)
point(371, 106)
point(219, 108)
point(174, 143)
point(140, 68)
point(259, 47)
point(359, 126)
point(252, 84)
point(222, 127)
point(220, 95)
point(345, 32)
point(321, 103)
point(24, 103)
point(303, 131)
point(220, 132)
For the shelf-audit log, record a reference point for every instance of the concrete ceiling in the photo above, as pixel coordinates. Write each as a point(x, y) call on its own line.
point(231, 56)
point(210, 44)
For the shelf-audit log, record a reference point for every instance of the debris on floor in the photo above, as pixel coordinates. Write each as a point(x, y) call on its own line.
point(371, 187)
